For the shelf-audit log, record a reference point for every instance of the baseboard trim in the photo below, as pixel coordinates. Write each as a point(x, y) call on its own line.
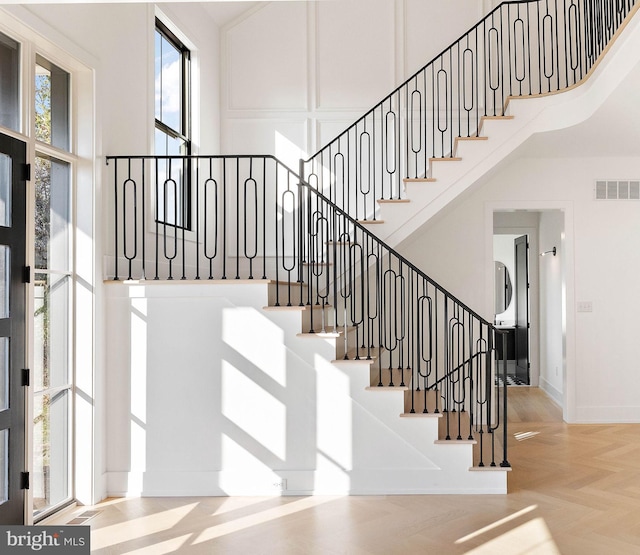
point(410, 481)
point(552, 391)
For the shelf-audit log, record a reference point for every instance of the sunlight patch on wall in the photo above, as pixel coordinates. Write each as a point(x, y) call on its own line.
point(138, 384)
point(254, 410)
point(289, 152)
point(334, 406)
point(257, 339)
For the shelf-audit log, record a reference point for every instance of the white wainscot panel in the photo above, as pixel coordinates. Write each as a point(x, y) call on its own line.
point(267, 59)
point(327, 130)
point(430, 26)
point(285, 139)
point(355, 53)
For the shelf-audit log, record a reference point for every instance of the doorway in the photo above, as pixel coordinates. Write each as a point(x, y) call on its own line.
point(13, 378)
point(512, 313)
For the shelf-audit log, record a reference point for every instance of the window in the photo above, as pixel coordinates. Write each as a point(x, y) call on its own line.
point(52, 372)
point(172, 128)
point(9, 83)
point(52, 104)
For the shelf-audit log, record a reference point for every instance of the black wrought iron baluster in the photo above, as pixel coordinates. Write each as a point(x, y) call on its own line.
point(115, 219)
point(509, 54)
point(528, 47)
point(501, 66)
point(407, 119)
point(264, 219)
point(210, 182)
point(184, 207)
point(391, 125)
point(251, 251)
point(373, 313)
point(238, 202)
point(224, 219)
point(442, 91)
point(167, 183)
point(469, 375)
point(126, 184)
point(557, 46)
point(157, 217)
point(143, 231)
point(456, 358)
point(423, 121)
point(397, 173)
point(493, 52)
point(289, 217)
point(197, 226)
point(519, 55)
point(306, 212)
point(365, 171)
point(416, 138)
point(357, 304)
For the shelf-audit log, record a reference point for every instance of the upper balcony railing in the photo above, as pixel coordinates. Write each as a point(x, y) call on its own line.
point(521, 48)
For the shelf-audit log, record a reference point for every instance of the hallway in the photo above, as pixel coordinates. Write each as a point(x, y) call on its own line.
point(574, 490)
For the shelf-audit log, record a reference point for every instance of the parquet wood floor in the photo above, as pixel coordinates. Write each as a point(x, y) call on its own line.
point(574, 490)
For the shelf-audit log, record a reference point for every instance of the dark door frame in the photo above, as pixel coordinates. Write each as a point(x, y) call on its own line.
point(521, 296)
point(13, 419)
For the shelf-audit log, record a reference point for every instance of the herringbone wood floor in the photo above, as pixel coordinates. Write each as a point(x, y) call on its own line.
point(574, 490)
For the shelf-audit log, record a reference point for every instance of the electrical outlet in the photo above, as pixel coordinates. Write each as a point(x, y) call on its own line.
point(585, 306)
point(281, 485)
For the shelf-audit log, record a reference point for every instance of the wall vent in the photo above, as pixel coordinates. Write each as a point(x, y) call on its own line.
point(617, 190)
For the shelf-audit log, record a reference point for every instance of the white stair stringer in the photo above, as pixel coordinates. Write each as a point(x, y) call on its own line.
point(531, 115)
point(213, 395)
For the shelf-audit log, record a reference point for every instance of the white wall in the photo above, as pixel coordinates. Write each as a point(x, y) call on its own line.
point(212, 395)
point(552, 304)
point(602, 256)
point(295, 75)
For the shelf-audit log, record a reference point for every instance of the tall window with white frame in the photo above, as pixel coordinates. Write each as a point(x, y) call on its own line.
point(172, 128)
point(53, 294)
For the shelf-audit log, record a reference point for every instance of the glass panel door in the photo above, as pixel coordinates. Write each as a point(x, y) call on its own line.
point(12, 328)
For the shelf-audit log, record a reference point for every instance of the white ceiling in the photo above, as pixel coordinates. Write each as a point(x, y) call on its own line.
point(224, 12)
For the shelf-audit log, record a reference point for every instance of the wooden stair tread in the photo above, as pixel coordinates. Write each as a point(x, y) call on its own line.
point(365, 222)
point(393, 201)
point(296, 307)
point(488, 468)
point(420, 415)
point(361, 360)
point(419, 179)
point(387, 388)
point(445, 159)
point(454, 441)
point(497, 117)
point(327, 333)
point(284, 283)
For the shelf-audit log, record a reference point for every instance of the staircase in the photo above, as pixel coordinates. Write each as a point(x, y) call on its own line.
point(442, 131)
point(390, 377)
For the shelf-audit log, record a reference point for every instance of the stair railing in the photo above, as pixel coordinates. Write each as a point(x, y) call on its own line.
point(521, 48)
point(254, 218)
